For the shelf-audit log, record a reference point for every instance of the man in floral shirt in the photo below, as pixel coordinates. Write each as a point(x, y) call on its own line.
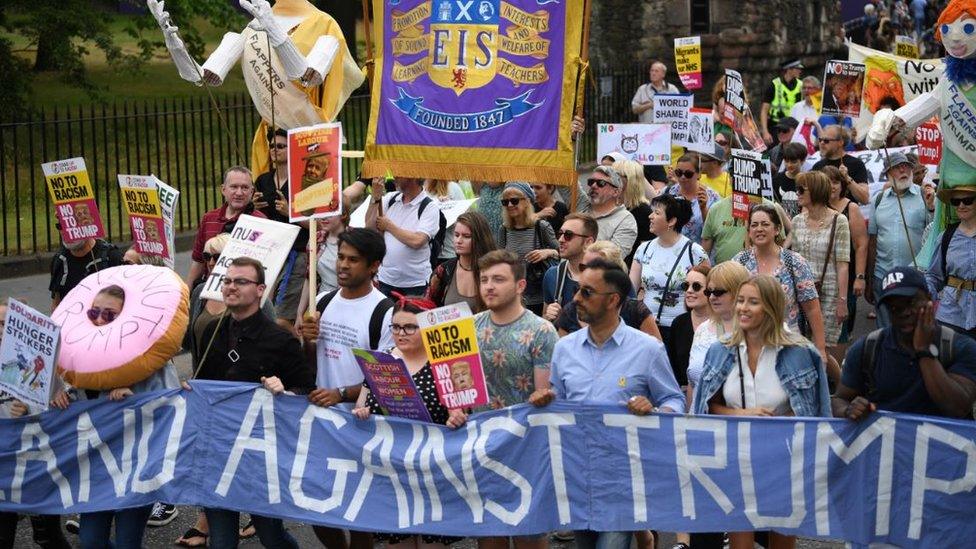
point(516, 345)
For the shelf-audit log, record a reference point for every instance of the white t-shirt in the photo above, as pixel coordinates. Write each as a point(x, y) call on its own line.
point(403, 266)
point(645, 93)
point(344, 325)
point(762, 390)
point(656, 262)
point(326, 267)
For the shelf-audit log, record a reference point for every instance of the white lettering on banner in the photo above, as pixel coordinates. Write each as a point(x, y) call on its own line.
point(262, 402)
point(342, 467)
point(552, 423)
point(468, 490)
point(631, 423)
point(383, 437)
point(119, 470)
point(34, 433)
point(692, 466)
point(166, 473)
point(513, 427)
point(883, 428)
point(751, 507)
point(922, 482)
point(408, 463)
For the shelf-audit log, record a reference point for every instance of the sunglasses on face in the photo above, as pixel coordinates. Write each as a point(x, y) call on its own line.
point(695, 286)
point(717, 292)
point(587, 293)
point(569, 235)
point(687, 174)
point(405, 329)
point(800, 189)
point(785, 130)
point(511, 201)
point(107, 315)
point(960, 200)
point(280, 146)
point(207, 256)
point(828, 139)
point(721, 143)
point(598, 182)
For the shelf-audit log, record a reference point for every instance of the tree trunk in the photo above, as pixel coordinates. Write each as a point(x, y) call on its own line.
point(52, 50)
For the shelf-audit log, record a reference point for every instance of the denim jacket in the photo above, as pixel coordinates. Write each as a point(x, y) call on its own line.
point(799, 368)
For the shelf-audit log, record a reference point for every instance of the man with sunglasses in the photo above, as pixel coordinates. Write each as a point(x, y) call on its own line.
point(559, 284)
point(832, 140)
point(912, 366)
point(609, 362)
point(247, 346)
point(616, 223)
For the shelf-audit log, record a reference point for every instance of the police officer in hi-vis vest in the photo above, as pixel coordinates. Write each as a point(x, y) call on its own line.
point(780, 96)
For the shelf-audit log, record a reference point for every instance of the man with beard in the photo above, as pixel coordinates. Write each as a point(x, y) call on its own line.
point(609, 361)
point(74, 261)
point(832, 153)
point(913, 366)
point(616, 223)
point(900, 214)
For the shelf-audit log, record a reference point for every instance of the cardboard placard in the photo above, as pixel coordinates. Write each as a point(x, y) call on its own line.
point(140, 197)
point(928, 136)
point(701, 131)
point(688, 60)
point(74, 200)
point(168, 199)
point(649, 144)
point(751, 181)
point(267, 241)
point(391, 384)
point(314, 172)
point(735, 97)
point(451, 342)
point(906, 46)
point(843, 85)
point(28, 354)
point(674, 110)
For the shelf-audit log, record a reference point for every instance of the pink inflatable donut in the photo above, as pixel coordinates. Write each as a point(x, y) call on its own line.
point(147, 333)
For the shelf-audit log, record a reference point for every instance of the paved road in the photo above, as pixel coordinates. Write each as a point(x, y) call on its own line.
point(34, 290)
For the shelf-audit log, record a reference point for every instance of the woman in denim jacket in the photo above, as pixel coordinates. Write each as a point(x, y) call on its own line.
point(763, 370)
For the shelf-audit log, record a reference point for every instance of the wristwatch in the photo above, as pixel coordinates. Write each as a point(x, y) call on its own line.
point(343, 393)
point(931, 352)
point(860, 276)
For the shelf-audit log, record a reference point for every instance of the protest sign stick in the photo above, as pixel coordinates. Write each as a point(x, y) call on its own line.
point(904, 223)
point(313, 243)
point(580, 96)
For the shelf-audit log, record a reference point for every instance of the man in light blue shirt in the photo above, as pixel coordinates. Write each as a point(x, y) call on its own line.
point(609, 362)
point(890, 229)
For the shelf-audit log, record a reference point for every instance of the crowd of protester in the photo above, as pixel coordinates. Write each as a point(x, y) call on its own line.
point(646, 292)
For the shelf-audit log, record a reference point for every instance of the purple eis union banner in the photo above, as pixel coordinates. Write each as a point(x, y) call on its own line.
point(485, 84)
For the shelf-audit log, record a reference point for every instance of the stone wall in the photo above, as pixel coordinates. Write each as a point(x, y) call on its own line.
point(751, 36)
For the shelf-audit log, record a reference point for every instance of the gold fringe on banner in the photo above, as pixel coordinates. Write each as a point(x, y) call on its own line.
point(508, 172)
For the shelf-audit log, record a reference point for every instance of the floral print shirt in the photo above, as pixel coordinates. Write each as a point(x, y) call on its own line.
point(794, 276)
point(510, 354)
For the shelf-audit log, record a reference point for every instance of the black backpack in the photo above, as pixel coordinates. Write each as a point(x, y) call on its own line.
point(375, 320)
point(946, 239)
point(872, 342)
point(436, 244)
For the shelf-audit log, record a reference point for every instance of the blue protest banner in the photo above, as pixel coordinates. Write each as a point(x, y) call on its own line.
point(906, 480)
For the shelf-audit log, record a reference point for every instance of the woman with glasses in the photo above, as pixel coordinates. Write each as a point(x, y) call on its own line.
point(530, 238)
point(410, 348)
point(699, 196)
point(697, 311)
point(720, 294)
point(633, 312)
point(456, 280)
point(765, 255)
point(823, 237)
point(762, 370)
point(839, 183)
point(952, 273)
point(662, 264)
point(635, 199)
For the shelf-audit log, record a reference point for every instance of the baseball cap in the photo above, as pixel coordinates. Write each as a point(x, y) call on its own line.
point(902, 281)
point(895, 159)
point(611, 173)
point(787, 123)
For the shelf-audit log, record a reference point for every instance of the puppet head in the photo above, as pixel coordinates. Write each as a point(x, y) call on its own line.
point(956, 28)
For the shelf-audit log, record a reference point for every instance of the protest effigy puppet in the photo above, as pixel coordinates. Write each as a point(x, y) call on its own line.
point(954, 101)
point(297, 66)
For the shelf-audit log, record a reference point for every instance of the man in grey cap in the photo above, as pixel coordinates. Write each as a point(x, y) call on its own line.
point(714, 172)
point(604, 189)
point(784, 134)
point(895, 232)
point(782, 93)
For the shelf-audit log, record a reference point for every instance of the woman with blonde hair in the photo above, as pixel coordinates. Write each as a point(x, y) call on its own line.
point(762, 370)
point(823, 237)
point(636, 189)
point(633, 312)
point(530, 238)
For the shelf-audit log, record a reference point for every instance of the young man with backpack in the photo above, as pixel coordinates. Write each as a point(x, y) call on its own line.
point(412, 227)
point(912, 366)
point(560, 282)
point(357, 315)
